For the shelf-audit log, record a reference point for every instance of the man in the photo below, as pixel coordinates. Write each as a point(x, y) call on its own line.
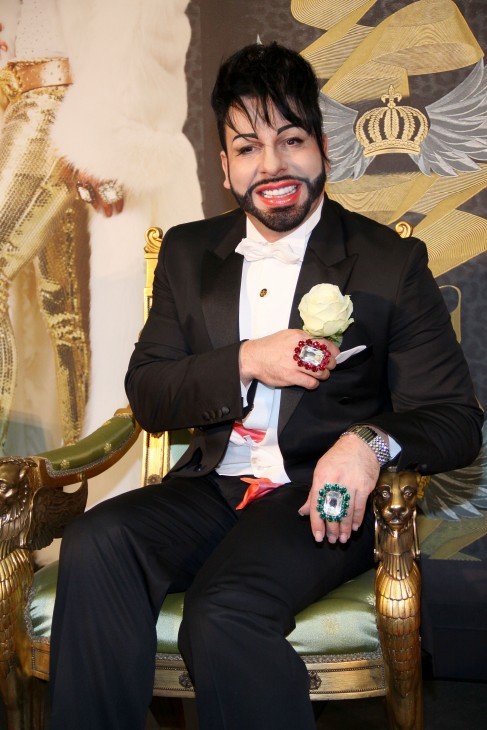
point(218, 353)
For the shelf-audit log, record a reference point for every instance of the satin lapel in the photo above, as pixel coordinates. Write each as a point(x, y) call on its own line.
point(220, 287)
point(325, 261)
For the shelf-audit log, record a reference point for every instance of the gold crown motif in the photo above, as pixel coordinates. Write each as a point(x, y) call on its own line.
point(391, 129)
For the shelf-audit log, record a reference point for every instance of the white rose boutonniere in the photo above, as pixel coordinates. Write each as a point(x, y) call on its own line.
point(325, 312)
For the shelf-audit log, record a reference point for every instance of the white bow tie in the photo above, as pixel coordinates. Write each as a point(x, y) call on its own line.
point(288, 252)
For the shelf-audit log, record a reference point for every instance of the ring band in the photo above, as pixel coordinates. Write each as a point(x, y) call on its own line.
point(311, 355)
point(333, 502)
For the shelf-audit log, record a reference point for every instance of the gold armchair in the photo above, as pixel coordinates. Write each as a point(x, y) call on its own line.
point(374, 650)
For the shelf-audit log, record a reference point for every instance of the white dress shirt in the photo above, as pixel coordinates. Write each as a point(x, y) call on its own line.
point(266, 295)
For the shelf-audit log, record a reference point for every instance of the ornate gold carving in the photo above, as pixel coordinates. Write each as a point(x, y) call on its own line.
point(398, 588)
point(16, 571)
point(404, 229)
point(185, 680)
point(30, 517)
point(314, 679)
point(153, 238)
point(10, 85)
point(396, 129)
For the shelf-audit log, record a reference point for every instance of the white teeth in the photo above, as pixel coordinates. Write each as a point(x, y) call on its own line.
point(279, 191)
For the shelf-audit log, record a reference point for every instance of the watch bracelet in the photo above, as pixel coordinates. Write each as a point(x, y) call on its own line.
point(377, 444)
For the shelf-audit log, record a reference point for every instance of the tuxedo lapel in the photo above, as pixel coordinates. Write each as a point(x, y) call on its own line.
point(220, 287)
point(325, 262)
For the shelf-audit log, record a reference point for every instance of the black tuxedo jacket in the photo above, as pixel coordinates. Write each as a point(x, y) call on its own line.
point(412, 380)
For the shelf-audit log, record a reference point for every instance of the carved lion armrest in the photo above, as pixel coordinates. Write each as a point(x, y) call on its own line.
point(398, 592)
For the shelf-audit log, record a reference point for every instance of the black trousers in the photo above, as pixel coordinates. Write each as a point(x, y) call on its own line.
point(246, 574)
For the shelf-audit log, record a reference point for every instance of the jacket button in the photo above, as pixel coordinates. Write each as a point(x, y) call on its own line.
point(225, 410)
point(198, 467)
point(206, 416)
point(218, 413)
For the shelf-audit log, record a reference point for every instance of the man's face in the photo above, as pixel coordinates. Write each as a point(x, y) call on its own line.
point(275, 172)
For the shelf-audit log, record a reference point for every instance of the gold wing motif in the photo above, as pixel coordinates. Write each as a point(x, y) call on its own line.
point(52, 510)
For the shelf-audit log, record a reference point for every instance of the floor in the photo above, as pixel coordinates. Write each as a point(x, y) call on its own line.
point(447, 706)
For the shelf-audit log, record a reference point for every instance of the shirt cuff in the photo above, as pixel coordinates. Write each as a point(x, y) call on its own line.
point(244, 390)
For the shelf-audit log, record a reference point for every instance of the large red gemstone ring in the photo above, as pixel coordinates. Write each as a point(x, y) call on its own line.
point(311, 355)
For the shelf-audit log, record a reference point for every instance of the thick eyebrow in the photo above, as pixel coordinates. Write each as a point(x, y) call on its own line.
point(253, 135)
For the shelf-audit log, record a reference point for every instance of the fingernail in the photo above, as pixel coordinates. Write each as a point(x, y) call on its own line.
point(319, 536)
point(301, 514)
point(332, 539)
point(343, 538)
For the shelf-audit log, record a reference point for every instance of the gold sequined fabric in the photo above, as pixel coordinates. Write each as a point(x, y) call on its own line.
point(38, 219)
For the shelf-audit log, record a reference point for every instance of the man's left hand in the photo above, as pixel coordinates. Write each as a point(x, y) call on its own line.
point(351, 464)
point(94, 194)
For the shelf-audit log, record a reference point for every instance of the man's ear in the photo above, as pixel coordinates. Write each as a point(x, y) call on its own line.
point(224, 161)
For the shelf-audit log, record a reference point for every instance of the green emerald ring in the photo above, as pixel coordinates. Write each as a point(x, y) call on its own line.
point(333, 502)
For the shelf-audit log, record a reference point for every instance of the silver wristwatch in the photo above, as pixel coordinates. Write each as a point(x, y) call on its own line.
point(372, 439)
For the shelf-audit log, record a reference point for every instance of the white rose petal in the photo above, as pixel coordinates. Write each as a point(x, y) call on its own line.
point(325, 311)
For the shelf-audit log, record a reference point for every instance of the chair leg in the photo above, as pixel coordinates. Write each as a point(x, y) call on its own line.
point(38, 695)
point(15, 691)
point(404, 708)
point(190, 714)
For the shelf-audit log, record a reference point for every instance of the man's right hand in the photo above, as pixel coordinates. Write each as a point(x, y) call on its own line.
point(270, 361)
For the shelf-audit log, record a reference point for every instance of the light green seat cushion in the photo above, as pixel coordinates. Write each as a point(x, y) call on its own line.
point(341, 623)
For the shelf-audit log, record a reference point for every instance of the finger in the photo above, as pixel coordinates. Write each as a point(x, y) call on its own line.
point(107, 210)
point(305, 509)
point(101, 205)
point(303, 378)
point(118, 206)
point(331, 363)
point(358, 513)
point(333, 349)
point(345, 527)
point(319, 527)
point(320, 374)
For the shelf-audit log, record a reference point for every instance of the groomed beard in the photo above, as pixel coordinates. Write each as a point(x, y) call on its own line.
point(288, 217)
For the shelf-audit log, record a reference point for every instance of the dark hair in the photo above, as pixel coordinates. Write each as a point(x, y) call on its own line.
point(273, 75)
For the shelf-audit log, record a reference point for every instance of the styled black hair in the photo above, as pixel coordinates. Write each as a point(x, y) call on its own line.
point(274, 76)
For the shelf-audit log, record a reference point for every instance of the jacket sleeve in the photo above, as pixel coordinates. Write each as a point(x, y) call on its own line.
point(436, 418)
point(171, 382)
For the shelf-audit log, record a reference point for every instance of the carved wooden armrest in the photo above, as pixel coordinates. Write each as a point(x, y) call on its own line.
point(33, 506)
